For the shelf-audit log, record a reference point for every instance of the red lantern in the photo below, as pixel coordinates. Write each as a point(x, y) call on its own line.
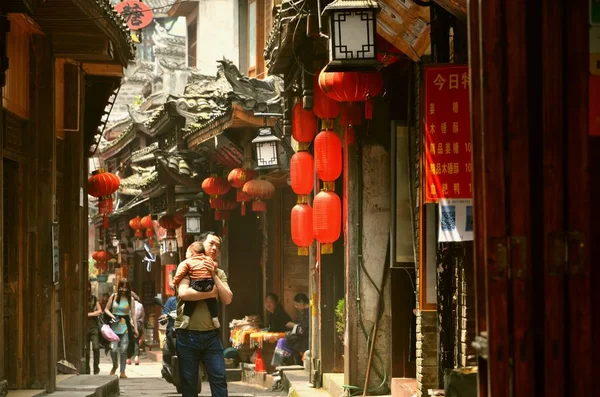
point(136, 224)
point(352, 87)
point(148, 225)
point(302, 174)
point(259, 190)
point(323, 106)
point(215, 187)
point(170, 223)
point(237, 178)
point(224, 213)
point(304, 124)
point(103, 184)
point(327, 222)
point(328, 155)
point(101, 256)
point(302, 227)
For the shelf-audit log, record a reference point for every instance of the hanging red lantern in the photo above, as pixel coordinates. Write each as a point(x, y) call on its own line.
point(170, 223)
point(328, 156)
point(327, 213)
point(148, 225)
point(304, 125)
point(352, 87)
point(259, 190)
point(237, 178)
point(102, 185)
point(351, 116)
point(136, 224)
point(302, 174)
point(224, 213)
point(323, 106)
point(215, 187)
point(101, 256)
point(302, 227)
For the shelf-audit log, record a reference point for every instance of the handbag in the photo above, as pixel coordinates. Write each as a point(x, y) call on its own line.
point(109, 334)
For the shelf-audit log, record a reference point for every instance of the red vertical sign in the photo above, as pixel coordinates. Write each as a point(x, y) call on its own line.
point(448, 169)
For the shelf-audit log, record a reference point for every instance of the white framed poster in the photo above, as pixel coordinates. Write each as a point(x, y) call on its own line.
point(455, 220)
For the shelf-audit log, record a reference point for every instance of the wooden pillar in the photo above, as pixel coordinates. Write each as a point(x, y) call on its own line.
point(478, 196)
point(579, 289)
point(350, 215)
point(74, 289)
point(3, 20)
point(42, 193)
point(440, 43)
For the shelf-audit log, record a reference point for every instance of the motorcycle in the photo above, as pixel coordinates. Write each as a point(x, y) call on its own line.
point(170, 369)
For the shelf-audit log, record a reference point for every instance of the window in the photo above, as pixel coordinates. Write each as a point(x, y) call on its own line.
point(252, 39)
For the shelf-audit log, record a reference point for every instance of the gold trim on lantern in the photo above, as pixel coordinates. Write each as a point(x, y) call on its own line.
point(302, 199)
point(328, 186)
point(327, 124)
point(303, 146)
point(326, 248)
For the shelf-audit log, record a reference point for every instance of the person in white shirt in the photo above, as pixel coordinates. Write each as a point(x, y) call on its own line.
point(140, 316)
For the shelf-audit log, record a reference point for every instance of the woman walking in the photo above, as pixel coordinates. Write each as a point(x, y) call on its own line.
point(140, 316)
point(120, 308)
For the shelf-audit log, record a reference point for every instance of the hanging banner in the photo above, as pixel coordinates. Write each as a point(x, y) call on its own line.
point(448, 165)
point(137, 14)
point(456, 221)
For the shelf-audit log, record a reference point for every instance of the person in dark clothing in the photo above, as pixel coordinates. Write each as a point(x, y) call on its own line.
point(289, 349)
point(277, 319)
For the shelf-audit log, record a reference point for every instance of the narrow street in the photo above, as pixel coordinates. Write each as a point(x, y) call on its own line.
point(145, 380)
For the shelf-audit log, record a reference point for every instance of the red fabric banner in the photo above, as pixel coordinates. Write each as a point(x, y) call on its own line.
point(448, 168)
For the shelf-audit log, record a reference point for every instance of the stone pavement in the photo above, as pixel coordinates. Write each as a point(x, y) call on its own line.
point(145, 380)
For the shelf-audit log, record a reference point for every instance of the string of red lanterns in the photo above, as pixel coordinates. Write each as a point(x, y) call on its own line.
point(260, 190)
point(352, 87)
point(215, 187)
point(136, 224)
point(237, 178)
point(102, 185)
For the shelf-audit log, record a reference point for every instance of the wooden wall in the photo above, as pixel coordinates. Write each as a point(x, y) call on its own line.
point(290, 271)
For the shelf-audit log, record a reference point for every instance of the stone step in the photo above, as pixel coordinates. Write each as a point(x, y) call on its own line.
point(26, 393)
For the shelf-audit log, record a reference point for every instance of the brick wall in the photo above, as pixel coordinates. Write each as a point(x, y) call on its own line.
point(426, 345)
point(427, 368)
point(465, 308)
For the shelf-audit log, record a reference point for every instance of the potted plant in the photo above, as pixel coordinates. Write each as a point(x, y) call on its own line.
point(340, 318)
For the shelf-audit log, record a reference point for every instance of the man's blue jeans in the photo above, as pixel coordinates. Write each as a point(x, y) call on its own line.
point(205, 346)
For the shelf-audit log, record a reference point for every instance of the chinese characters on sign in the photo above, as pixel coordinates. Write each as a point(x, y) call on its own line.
point(448, 169)
point(137, 14)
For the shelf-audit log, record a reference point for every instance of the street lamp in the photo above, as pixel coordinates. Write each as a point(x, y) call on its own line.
point(352, 35)
point(266, 149)
point(193, 221)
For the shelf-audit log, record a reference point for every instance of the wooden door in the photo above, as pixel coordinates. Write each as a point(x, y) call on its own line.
point(12, 271)
point(532, 195)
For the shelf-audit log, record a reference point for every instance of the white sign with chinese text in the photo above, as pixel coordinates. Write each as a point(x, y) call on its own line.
point(455, 221)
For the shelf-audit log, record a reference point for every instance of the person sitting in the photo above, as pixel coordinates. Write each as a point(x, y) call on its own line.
point(289, 349)
point(277, 319)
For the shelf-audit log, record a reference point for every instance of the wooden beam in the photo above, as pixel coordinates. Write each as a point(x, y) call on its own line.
point(43, 345)
point(103, 69)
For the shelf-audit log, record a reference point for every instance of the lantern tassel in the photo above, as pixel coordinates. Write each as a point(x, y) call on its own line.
point(259, 206)
point(326, 248)
point(243, 208)
point(369, 108)
point(350, 135)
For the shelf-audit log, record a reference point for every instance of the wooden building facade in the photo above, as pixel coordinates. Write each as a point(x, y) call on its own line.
point(56, 85)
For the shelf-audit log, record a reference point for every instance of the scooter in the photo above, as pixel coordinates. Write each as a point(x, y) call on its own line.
point(170, 369)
